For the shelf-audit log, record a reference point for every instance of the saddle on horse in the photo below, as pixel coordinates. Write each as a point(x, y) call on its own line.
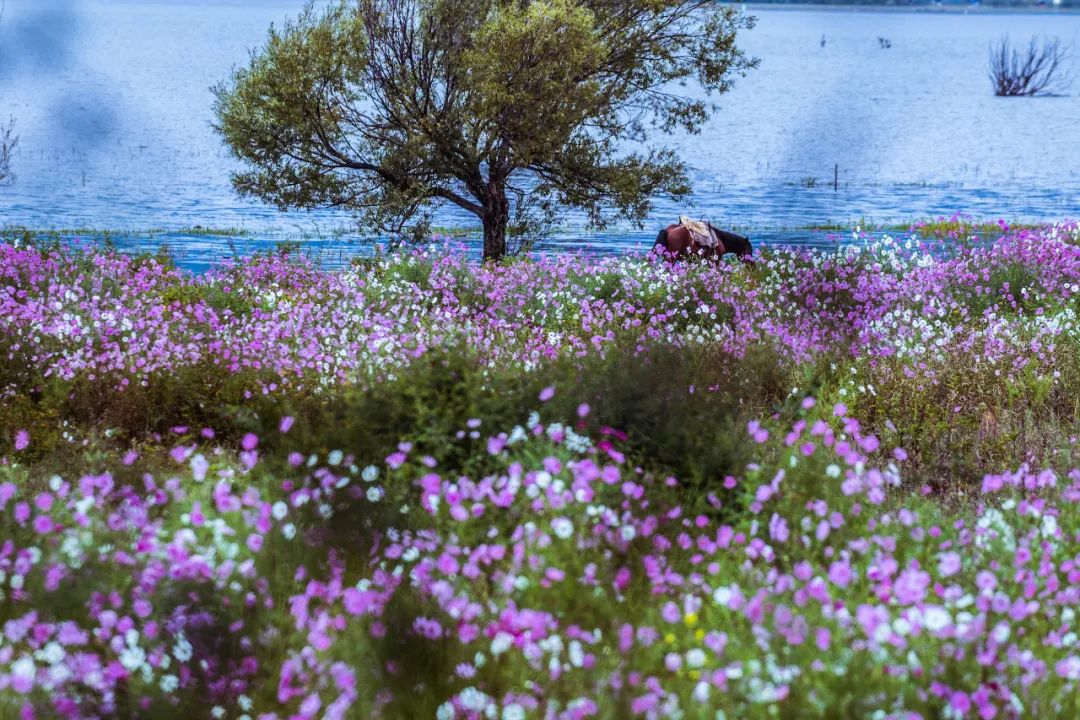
point(701, 232)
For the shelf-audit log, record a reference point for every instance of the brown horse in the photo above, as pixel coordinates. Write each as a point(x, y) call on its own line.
point(676, 242)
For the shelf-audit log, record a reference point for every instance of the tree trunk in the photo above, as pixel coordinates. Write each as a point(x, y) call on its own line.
point(496, 218)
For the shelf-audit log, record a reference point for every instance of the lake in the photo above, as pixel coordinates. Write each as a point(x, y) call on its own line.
point(113, 104)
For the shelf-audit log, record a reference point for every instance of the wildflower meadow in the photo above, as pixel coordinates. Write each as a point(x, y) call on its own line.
point(827, 485)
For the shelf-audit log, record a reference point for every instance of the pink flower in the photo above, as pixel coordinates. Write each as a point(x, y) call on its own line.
point(22, 440)
point(286, 424)
point(547, 393)
point(197, 517)
point(250, 441)
point(181, 453)
point(949, 564)
point(910, 587)
point(869, 443)
point(495, 445)
point(960, 701)
point(840, 573)
point(985, 581)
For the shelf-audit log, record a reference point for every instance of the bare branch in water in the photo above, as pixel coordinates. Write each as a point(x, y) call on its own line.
point(1033, 71)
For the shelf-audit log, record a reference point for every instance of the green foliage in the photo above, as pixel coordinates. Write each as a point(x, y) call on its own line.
point(512, 111)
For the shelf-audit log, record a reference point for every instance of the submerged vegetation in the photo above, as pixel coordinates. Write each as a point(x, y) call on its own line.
point(830, 485)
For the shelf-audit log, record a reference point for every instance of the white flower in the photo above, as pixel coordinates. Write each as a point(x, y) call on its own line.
point(695, 658)
point(24, 668)
point(132, 658)
point(562, 527)
point(501, 643)
point(169, 683)
point(513, 712)
point(935, 618)
point(701, 692)
point(335, 457)
point(52, 653)
point(370, 473)
point(445, 712)
point(628, 532)
point(183, 650)
point(576, 653)
point(279, 510)
point(473, 699)
point(374, 494)
point(289, 531)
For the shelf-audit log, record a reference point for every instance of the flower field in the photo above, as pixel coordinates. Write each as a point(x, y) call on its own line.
point(827, 485)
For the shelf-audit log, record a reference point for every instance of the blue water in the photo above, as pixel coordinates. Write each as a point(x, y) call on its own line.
point(113, 104)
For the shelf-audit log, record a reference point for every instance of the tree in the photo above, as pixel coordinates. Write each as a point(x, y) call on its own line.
point(1033, 71)
point(8, 141)
point(509, 109)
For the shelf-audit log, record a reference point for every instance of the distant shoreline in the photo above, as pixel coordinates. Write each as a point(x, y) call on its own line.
point(951, 9)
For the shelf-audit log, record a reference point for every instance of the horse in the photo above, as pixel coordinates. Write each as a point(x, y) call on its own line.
point(677, 242)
